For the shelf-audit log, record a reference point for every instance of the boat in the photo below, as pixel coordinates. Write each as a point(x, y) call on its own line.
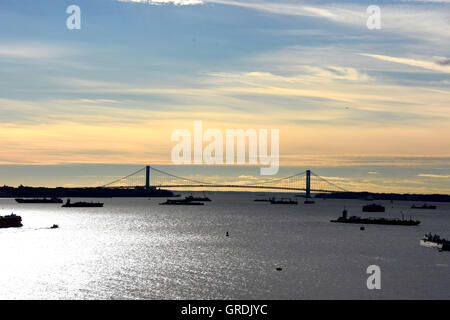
point(424, 206)
point(11, 221)
point(43, 200)
point(55, 226)
point(373, 207)
point(435, 241)
point(183, 202)
point(370, 220)
point(82, 204)
point(283, 201)
point(309, 201)
point(261, 200)
point(192, 198)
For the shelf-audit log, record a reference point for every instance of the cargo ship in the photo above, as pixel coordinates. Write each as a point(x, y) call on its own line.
point(82, 204)
point(283, 201)
point(384, 221)
point(424, 206)
point(183, 202)
point(43, 200)
point(373, 208)
point(11, 221)
point(192, 198)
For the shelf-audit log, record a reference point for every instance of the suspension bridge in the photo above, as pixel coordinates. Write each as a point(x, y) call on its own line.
point(150, 177)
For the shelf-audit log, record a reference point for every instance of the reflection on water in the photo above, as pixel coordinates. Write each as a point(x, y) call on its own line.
point(136, 249)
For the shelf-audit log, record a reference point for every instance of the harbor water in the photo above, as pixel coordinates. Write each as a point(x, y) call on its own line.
point(136, 249)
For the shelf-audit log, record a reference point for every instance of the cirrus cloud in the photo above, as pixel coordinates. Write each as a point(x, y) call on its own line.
point(159, 2)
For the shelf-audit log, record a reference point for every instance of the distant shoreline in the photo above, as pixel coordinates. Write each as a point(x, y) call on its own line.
point(386, 196)
point(36, 192)
point(98, 192)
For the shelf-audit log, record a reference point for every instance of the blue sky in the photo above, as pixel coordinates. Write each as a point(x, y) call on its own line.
point(113, 91)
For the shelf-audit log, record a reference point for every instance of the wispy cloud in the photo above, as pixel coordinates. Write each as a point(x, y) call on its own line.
point(427, 1)
point(443, 61)
point(435, 66)
point(297, 9)
point(439, 176)
point(29, 50)
point(431, 24)
point(159, 2)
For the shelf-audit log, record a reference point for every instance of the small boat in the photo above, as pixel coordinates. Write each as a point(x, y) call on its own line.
point(44, 200)
point(192, 198)
point(183, 202)
point(424, 206)
point(435, 241)
point(261, 200)
point(283, 201)
point(55, 226)
point(11, 221)
point(82, 204)
point(309, 201)
point(373, 208)
point(383, 221)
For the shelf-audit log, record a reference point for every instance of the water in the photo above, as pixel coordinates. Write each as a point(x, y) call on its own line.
point(136, 249)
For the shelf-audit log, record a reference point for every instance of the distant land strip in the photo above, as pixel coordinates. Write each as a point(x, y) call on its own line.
point(99, 192)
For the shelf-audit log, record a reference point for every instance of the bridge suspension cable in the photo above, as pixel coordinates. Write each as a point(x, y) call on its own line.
point(329, 182)
point(123, 178)
point(150, 176)
point(281, 179)
point(180, 178)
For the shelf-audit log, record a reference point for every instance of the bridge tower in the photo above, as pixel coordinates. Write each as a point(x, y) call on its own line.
point(308, 183)
point(147, 177)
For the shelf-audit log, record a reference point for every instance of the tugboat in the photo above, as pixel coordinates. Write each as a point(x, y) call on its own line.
point(424, 206)
point(11, 221)
point(183, 202)
point(283, 201)
point(384, 221)
point(192, 198)
point(81, 204)
point(373, 208)
point(44, 200)
point(435, 241)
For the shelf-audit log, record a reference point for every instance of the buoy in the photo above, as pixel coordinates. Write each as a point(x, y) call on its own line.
point(362, 228)
point(227, 234)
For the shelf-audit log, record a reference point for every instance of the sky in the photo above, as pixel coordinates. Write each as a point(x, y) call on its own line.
point(367, 108)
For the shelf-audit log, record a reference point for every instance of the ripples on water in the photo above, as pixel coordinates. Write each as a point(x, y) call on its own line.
point(136, 249)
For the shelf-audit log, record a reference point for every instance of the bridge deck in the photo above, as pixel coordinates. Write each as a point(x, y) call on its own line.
point(227, 186)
